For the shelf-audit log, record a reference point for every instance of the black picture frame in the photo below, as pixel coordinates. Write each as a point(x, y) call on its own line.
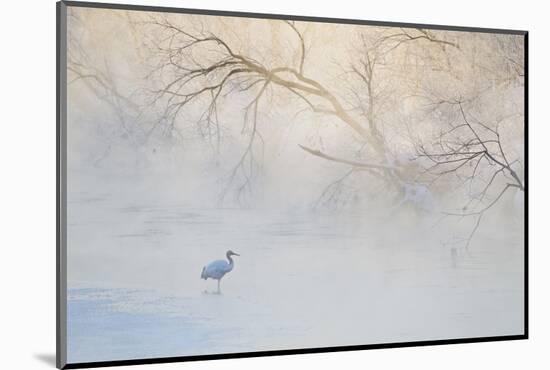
point(61, 153)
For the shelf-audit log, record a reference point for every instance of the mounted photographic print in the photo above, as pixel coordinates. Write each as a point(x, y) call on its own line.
point(235, 184)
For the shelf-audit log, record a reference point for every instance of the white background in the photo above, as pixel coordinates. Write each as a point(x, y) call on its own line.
point(27, 196)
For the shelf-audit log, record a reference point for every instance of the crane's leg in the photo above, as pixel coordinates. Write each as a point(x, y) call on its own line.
point(219, 286)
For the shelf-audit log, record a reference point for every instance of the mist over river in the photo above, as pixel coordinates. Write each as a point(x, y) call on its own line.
point(304, 279)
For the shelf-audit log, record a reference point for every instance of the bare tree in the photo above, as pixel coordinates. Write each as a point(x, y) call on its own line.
point(222, 70)
point(373, 64)
point(102, 83)
point(472, 151)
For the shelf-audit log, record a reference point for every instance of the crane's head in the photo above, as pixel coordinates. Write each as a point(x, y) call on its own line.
point(231, 253)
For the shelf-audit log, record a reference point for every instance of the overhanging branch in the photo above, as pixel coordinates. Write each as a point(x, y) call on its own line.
point(320, 154)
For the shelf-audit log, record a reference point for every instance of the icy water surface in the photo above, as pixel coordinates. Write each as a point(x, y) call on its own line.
point(304, 279)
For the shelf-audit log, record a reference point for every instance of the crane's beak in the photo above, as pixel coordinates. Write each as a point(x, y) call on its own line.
point(236, 254)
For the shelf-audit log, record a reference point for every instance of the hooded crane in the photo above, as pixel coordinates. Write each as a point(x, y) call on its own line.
point(216, 270)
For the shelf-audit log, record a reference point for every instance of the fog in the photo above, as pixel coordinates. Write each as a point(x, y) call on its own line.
point(370, 178)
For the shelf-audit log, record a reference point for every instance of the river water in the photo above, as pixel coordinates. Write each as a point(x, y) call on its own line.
point(304, 279)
